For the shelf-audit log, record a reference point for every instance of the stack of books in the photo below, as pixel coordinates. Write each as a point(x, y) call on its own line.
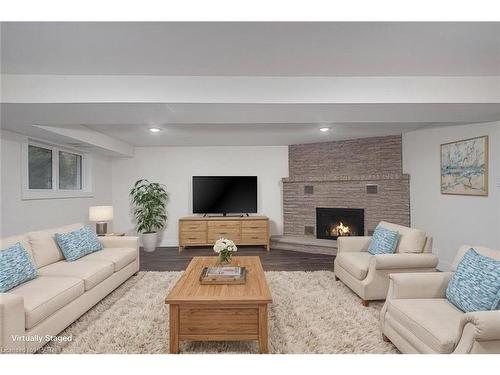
point(223, 275)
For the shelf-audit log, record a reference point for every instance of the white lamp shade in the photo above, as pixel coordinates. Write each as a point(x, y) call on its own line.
point(101, 213)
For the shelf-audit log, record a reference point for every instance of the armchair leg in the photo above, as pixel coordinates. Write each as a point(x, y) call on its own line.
point(385, 338)
point(365, 303)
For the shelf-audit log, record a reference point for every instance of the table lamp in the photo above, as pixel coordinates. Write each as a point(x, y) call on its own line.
point(101, 214)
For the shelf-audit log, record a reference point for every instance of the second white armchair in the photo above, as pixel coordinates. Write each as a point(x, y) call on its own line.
point(418, 318)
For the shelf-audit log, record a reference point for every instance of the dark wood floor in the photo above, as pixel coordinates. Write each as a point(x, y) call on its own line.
point(169, 259)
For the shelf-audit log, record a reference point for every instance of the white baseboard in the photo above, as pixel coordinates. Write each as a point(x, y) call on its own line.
point(169, 243)
point(164, 243)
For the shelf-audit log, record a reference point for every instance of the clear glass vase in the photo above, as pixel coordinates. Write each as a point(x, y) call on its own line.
point(224, 258)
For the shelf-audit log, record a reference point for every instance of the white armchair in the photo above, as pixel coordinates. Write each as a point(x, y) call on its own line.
point(368, 275)
point(417, 317)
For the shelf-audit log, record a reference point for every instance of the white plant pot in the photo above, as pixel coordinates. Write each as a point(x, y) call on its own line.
point(149, 241)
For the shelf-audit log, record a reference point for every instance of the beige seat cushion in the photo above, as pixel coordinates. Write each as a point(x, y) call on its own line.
point(119, 256)
point(355, 263)
point(45, 295)
point(44, 245)
point(91, 272)
point(411, 240)
point(434, 321)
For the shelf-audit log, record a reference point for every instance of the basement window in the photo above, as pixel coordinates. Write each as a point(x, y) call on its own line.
point(51, 171)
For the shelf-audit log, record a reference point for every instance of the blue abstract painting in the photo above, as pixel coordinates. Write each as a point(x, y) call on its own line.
point(464, 167)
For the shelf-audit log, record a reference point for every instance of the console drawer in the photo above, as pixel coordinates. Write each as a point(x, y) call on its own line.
point(193, 226)
point(254, 237)
point(194, 238)
point(231, 234)
point(254, 225)
point(224, 225)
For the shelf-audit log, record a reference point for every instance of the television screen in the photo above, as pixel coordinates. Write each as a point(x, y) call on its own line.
point(224, 194)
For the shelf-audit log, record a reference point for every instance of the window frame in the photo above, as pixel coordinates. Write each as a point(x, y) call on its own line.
point(55, 192)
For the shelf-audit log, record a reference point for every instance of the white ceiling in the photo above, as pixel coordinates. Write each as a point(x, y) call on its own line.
point(252, 48)
point(247, 49)
point(248, 134)
point(241, 124)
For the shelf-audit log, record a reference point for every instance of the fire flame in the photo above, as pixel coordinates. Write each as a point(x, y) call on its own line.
point(341, 230)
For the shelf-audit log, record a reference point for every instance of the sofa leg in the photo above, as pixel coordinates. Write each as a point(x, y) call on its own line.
point(365, 303)
point(385, 338)
point(336, 278)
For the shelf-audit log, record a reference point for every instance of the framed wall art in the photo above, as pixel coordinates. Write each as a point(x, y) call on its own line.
point(464, 167)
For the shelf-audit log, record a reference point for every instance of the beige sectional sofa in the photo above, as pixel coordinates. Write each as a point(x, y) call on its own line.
point(418, 318)
point(32, 312)
point(368, 275)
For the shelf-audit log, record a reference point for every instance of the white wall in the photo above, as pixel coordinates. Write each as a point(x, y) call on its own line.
point(453, 220)
point(19, 216)
point(175, 166)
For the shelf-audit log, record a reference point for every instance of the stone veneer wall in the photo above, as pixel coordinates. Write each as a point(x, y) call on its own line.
point(338, 173)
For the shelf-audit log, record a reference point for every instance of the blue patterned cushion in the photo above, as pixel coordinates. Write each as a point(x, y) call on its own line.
point(79, 243)
point(475, 286)
point(384, 241)
point(16, 267)
point(92, 238)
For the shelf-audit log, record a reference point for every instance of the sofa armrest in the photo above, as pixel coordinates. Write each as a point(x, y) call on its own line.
point(418, 285)
point(125, 241)
point(402, 261)
point(476, 327)
point(353, 244)
point(486, 324)
point(12, 323)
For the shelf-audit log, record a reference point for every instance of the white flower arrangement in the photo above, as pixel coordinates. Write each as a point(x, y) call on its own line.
point(225, 248)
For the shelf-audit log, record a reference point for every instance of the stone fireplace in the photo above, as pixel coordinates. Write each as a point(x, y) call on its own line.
point(360, 174)
point(335, 222)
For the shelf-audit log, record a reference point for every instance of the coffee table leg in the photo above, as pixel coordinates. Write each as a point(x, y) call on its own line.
point(174, 329)
point(263, 329)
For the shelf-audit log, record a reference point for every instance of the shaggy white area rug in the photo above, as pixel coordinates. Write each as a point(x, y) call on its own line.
point(311, 313)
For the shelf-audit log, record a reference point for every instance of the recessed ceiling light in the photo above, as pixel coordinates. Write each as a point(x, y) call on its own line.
point(325, 129)
point(154, 130)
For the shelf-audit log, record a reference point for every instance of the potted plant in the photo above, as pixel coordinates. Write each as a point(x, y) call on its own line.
point(149, 200)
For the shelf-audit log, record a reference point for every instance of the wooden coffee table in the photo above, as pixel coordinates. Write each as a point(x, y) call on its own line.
point(219, 312)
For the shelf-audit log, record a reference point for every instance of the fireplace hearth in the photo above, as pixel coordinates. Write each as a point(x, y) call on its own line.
point(335, 222)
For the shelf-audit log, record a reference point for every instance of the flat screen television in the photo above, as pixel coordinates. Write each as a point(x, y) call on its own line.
point(224, 194)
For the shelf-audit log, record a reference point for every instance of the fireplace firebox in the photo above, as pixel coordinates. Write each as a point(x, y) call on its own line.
point(335, 222)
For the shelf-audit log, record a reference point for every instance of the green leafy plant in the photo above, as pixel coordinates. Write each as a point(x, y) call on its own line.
point(149, 200)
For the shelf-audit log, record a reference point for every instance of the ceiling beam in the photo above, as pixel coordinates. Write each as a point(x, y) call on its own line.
point(238, 89)
point(102, 142)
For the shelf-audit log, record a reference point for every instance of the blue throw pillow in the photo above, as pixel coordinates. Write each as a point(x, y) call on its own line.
point(475, 286)
point(92, 239)
point(78, 243)
point(16, 267)
point(384, 241)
